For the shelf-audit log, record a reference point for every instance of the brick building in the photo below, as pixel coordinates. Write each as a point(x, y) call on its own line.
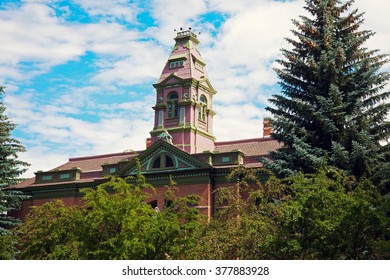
point(182, 144)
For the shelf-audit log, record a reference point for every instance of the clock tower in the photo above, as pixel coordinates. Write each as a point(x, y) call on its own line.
point(184, 98)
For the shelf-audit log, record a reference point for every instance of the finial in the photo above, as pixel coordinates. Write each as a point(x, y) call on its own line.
point(165, 136)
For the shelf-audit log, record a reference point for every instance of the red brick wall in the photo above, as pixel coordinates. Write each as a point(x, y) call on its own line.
point(202, 190)
point(27, 204)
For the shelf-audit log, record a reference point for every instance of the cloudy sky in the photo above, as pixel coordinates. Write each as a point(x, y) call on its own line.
point(79, 73)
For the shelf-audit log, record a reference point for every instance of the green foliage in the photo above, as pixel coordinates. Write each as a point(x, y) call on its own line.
point(246, 223)
point(115, 223)
point(186, 219)
point(10, 170)
point(332, 216)
point(52, 231)
point(10, 167)
point(332, 109)
point(326, 215)
point(8, 244)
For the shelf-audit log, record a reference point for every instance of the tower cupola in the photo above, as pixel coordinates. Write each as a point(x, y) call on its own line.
point(184, 98)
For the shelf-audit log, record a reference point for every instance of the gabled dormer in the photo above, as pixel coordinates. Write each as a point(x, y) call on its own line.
point(163, 157)
point(57, 175)
point(184, 97)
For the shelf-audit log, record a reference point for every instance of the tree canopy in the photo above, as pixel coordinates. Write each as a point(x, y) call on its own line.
point(325, 215)
point(114, 223)
point(10, 170)
point(333, 106)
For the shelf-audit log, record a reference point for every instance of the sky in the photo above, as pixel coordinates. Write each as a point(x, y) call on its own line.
point(79, 73)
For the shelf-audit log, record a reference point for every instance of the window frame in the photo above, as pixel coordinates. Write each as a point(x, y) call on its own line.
point(202, 114)
point(172, 105)
point(162, 158)
point(176, 64)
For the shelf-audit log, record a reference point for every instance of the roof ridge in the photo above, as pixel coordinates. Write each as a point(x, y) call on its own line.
point(104, 155)
point(259, 139)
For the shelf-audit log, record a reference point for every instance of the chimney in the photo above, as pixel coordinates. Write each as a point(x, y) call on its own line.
point(267, 129)
point(148, 142)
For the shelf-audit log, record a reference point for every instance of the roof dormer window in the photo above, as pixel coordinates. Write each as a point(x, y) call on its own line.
point(47, 177)
point(65, 176)
point(57, 175)
point(176, 64)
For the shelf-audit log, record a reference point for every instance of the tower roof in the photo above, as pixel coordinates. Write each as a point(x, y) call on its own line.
point(185, 60)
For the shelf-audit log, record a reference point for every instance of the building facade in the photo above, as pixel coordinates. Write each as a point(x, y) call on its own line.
point(182, 145)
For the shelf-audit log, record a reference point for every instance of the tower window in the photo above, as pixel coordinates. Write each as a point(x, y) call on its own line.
point(198, 66)
point(202, 108)
point(172, 105)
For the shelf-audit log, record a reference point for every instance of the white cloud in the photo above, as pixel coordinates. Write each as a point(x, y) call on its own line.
point(248, 44)
point(234, 122)
point(32, 34)
point(34, 39)
point(377, 19)
point(41, 157)
point(110, 10)
point(53, 133)
point(240, 63)
point(144, 62)
point(174, 14)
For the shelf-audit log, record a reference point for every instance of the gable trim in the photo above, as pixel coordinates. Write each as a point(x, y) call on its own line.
point(159, 148)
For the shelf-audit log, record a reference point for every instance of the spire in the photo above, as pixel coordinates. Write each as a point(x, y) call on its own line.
point(184, 97)
point(185, 60)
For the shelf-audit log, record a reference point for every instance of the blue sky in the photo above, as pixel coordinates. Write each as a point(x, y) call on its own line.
point(79, 74)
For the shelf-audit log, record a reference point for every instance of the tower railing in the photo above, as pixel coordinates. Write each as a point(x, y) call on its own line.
point(185, 33)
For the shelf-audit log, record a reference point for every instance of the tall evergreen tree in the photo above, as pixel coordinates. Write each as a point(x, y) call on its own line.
point(10, 170)
point(332, 107)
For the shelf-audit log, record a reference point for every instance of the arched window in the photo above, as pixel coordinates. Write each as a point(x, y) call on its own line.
point(163, 161)
point(153, 204)
point(157, 163)
point(172, 105)
point(168, 161)
point(202, 108)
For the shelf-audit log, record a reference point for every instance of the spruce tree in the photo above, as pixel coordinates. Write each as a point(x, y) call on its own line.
point(10, 170)
point(333, 106)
